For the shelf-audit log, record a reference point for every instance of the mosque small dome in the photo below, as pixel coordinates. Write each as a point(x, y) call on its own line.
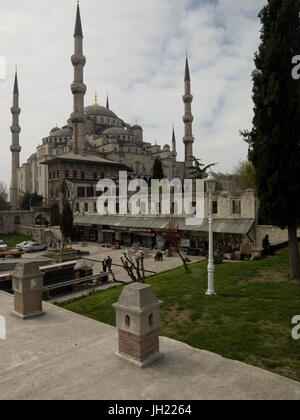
point(61, 132)
point(53, 130)
point(32, 157)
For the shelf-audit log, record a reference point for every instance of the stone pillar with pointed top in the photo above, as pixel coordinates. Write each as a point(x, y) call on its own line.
point(138, 320)
point(15, 147)
point(28, 289)
point(78, 88)
point(188, 119)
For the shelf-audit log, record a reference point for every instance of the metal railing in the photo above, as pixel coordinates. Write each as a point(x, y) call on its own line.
point(74, 282)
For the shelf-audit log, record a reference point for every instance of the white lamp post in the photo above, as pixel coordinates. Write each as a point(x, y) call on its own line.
point(210, 187)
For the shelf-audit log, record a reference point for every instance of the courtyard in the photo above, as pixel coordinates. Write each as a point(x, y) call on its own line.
point(249, 320)
point(65, 356)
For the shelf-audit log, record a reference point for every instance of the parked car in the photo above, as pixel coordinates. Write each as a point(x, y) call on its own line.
point(3, 246)
point(22, 245)
point(34, 247)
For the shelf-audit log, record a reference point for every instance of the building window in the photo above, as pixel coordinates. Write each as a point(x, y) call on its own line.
point(77, 207)
point(95, 207)
point(17, 220)
point(81, 192)
point(57, 174)
point(102, 175)
point(236, 206)
point(50, 175)
point(86, 207)
point(215, 207)
point(1, 221)
point(90, 192)
point(74, 174)
point(95, 176)
point(67, 174)
point(82, 175)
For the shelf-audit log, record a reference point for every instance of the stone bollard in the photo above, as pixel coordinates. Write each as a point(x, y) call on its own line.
point(28, 289)
point(138, 320)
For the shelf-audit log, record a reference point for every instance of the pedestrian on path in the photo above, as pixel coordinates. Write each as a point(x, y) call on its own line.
point(109, 263)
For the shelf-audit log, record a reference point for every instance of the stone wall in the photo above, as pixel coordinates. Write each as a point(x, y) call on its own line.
point(40, 234)
point(10, 221)
point(276, 235)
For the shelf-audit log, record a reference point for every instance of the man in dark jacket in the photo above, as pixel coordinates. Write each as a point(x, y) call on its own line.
point(109, 263)
point(266, 245)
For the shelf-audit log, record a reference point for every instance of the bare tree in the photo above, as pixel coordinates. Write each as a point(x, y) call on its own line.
point(172, 240)
point(112, 275)
point(4, 204)
point(134, 267)
point(172, 235)
point(183, 259)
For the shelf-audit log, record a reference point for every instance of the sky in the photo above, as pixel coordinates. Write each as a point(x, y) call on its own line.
point(135, 51)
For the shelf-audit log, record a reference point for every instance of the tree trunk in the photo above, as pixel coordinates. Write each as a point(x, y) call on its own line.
point(183, 262)
point(294, 253)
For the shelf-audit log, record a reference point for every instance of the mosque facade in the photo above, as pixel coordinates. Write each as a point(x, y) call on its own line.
point(94, 143)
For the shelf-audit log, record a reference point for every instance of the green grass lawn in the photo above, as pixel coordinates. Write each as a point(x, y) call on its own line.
point(249, 320)
point(14, 239)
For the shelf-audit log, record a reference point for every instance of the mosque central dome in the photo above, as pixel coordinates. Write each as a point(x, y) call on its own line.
point(99, 110)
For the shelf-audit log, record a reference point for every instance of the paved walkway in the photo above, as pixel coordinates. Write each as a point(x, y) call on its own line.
point(63, 355)
point(97, 254)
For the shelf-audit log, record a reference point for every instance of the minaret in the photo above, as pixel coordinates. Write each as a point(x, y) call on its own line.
point(188, 121)
point(15, 147)
point(174, 152)
point(107, 102)
point(78, 88)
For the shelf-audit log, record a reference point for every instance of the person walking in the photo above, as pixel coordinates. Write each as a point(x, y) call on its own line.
point(104, 265)
point(109, 263)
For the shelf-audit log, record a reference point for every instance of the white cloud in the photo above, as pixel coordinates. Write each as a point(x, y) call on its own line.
point(135, 49)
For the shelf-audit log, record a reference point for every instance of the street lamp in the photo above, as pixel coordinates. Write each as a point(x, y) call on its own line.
point(210, 187)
